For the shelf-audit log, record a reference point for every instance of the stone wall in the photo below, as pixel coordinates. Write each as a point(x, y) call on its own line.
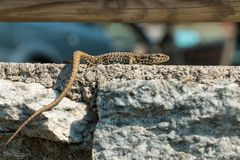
point(122, 112)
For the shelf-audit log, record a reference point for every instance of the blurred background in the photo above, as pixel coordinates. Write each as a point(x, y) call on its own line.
point(186, 44)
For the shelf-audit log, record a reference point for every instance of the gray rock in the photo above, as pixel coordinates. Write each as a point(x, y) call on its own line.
point(66, 132)
point(65, 122)
point(159, 119)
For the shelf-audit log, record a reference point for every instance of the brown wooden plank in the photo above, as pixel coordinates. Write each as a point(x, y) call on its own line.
point(120, 10)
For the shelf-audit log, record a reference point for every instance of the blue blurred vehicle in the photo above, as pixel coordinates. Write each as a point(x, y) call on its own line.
point(55, 42)
point(50, 42)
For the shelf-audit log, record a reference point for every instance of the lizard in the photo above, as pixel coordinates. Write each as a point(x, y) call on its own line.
point(107, 58)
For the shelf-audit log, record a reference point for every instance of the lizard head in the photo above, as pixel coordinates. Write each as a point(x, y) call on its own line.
point(159, 58)
point(155, 58)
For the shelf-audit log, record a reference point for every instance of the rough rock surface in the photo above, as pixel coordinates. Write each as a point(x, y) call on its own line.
point(66, 122)
point(159, 119)
point(66, 132)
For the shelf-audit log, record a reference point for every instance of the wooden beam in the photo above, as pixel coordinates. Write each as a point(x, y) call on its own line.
point(120, 10)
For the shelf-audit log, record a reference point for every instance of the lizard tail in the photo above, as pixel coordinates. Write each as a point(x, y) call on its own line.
point(76, 60)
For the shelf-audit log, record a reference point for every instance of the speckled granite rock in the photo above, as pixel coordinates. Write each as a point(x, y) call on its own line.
point(66, 122)
point(159, 119)
point(65, 132)
point(51, 137)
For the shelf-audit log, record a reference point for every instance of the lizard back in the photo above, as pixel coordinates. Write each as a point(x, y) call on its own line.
point(131, 58)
